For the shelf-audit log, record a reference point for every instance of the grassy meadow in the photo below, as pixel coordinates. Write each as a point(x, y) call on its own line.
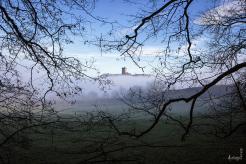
point(80, 140)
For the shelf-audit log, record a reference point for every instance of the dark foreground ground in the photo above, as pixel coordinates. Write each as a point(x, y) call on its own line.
point(73, 142)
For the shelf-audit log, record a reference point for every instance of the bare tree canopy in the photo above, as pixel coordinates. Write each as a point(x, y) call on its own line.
point(33, 35)
point(192, 51)
point(196, 49)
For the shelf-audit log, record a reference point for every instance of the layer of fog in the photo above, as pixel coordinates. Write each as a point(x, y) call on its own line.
point(94, 96)
point(118, 83)
point(108, 99)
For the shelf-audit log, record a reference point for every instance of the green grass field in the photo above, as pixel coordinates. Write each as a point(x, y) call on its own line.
point(80, 140)
point(73, 145)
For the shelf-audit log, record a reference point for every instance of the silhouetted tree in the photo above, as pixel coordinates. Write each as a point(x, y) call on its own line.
point(33, 67)
point(198, 51)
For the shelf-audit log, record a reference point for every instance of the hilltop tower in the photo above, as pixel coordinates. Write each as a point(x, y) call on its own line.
point(124, 71)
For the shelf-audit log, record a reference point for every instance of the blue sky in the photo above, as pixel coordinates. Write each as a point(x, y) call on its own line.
point(120, 11)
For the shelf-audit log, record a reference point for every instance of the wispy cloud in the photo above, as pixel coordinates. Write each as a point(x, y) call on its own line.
point(151, 50)
point(220, 13)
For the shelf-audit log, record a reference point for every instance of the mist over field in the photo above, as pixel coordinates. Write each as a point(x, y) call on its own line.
point(108, 99)
point(108, 96)
point(122, 81)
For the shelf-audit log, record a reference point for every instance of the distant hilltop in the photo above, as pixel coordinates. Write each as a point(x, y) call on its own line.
point(125, 73)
